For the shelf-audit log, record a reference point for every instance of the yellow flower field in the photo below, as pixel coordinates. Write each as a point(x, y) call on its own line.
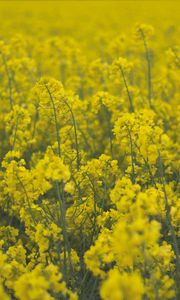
point(89, 150)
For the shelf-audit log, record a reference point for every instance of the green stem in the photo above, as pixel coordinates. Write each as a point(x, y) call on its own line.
point(132, 156)
point(27, 198)
point(148, 59)
point(131, 107)
point(75, 134)
point(60, 191)
point(169, 220)
point(55, 119)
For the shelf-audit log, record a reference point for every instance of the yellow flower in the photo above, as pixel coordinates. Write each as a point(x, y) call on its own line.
point(119, 286)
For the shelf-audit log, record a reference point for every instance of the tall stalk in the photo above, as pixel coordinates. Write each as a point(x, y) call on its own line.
point(60, 190)
point(169, 221)
point(131, 107)
point(132, 157)
point(148, 59)
point(75, 134)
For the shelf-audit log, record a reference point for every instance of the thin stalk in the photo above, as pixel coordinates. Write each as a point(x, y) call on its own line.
point(55, 119)
point(63, 224)
point(148, 59)
point(78, 160)
point(132, 157)
point(60, 190)
point(75, 134)
point(131, 107)
point(35, 122)
point(15, 131)
point(147, 165)
point(169, 221)
point(85, 140)
point(109, 125)
point(27, 198)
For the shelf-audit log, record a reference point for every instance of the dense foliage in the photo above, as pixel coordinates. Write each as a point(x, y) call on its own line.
point(89, 165)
